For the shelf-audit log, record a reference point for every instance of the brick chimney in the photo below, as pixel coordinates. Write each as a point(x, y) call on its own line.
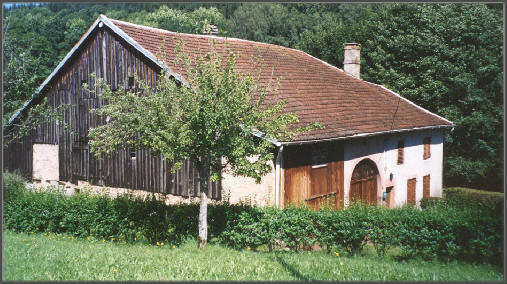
point(351, 59)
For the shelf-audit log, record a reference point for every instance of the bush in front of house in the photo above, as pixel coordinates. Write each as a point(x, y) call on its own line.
point(431, 201)
point(478, 200)
point(345, 228)
point(13, 186)
point(439, 231)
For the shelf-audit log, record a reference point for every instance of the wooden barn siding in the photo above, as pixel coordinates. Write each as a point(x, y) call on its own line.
point(298, 183)
point(106, 56)
point(18, 156)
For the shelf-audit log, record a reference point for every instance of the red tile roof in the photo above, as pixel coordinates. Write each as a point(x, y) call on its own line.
point(314, 90)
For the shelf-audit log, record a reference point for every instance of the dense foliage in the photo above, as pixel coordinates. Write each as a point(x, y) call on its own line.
point(209, 120)
point(442, 232)
point(445, 57)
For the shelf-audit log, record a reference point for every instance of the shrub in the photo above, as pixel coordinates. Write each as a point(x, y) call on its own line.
point(383, 230)
point(479, 200)
point(443, 232)
point(431, 201)
point(250, 229)
point(347, 228)
point(13, 186)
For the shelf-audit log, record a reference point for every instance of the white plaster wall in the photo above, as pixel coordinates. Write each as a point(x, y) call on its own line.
point(245, 190)
point(383, 151)
point(45, 162)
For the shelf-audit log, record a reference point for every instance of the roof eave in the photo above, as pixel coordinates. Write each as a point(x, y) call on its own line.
point(368, 134)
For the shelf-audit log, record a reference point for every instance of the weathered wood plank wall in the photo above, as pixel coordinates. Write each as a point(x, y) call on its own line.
point(109, 57)
point(314, 175)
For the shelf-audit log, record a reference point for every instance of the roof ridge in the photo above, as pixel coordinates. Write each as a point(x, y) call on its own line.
point(197, 35)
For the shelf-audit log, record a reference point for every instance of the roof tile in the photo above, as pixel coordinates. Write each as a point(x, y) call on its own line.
point(314, 90)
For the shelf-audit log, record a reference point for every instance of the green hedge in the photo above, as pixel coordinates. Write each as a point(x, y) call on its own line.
point(485, 201)
point(439, 231)
point(125, 217)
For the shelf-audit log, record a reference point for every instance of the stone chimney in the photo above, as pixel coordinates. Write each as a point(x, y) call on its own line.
point(351, 59)
point(211, 30)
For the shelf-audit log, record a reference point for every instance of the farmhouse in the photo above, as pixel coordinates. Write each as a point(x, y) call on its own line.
point(375, 146)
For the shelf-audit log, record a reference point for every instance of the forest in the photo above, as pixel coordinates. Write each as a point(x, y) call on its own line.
point(447, 58)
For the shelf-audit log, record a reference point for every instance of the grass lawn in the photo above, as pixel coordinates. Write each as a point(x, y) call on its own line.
point(53, 257)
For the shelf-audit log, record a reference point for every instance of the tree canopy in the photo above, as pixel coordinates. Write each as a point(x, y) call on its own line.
point(209, 119)
point(447, 58)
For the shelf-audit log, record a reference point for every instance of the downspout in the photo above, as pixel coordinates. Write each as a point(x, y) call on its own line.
point(278, 173)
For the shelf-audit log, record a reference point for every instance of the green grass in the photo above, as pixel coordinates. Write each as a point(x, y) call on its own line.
point(53, 257)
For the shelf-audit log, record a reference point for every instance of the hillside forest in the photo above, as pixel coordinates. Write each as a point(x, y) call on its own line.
point(447, 58)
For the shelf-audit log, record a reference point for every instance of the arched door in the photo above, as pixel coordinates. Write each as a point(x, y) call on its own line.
point(363, 185)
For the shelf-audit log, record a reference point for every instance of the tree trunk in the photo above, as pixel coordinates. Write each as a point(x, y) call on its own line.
point(203, 209)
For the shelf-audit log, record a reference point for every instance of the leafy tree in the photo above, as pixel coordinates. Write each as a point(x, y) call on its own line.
point(25, 56)
point(179, 21)
point(211, 122)
point(270, 23)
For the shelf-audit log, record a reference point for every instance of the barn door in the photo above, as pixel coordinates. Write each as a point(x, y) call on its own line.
point(363, 185)
point(320, 191)
point(80, 163)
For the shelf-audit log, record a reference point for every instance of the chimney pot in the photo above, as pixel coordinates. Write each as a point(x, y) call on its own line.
point(351, 59)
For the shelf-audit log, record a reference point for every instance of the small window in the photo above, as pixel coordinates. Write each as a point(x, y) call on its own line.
point(401, 145)
point(427, 150)
point(131, 81)
point(411, 191)
point(132, 154)
point(388, 196)
point(319, 156)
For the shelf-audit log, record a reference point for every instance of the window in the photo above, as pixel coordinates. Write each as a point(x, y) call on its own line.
point(401, 145)
point(427, 151)
point(131, 81)
point(411, 191)
point(426, 186)
point(389, 196)
point(319, 156)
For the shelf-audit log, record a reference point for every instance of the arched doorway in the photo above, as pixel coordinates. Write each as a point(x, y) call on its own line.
point(363, 185)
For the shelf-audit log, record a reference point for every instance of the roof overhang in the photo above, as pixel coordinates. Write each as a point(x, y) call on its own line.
point(368, 134)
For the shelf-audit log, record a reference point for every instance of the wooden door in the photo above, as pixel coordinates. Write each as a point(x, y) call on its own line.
point(363, 185)
point(320, 191)
point(426, 186)
point(295, 185)
point(321, 188)
point(389, 196)
point(80, 157)
point(313, 175)
point(411, 191)
point(79, 162)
